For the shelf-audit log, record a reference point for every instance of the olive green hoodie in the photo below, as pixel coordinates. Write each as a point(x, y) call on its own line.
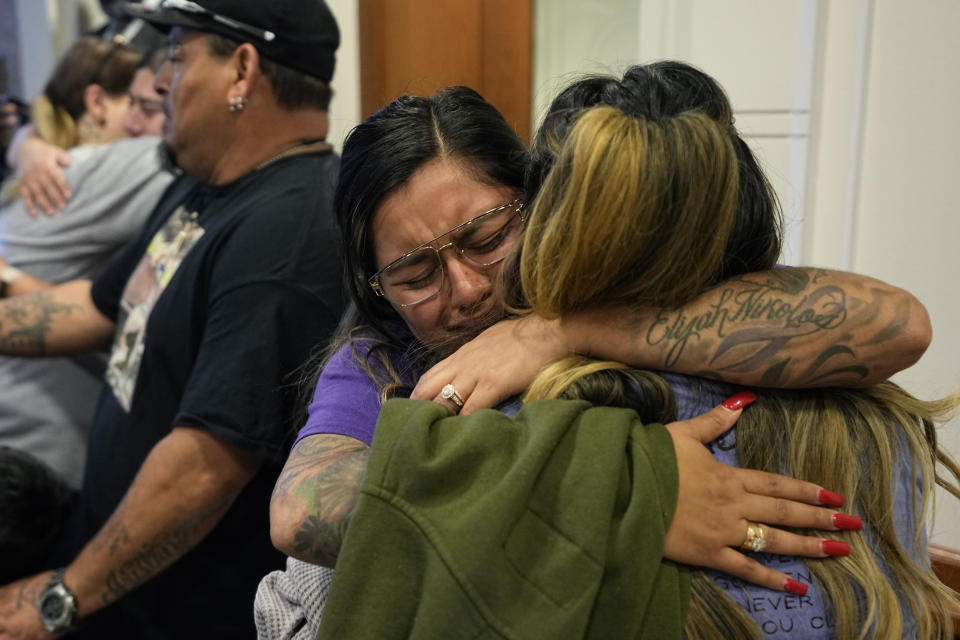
point(549, 524)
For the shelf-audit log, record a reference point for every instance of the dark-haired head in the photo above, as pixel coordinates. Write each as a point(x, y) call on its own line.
point(386, 150)
point(662, 90)
point(33, 501)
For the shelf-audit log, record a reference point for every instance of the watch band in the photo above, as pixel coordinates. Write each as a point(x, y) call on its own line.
point(60, 573)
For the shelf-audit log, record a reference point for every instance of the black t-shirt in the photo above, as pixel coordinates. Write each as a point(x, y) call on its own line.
point(217, 304)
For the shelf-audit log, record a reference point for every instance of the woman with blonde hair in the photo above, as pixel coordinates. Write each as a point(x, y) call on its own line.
point(46, 404)
point(84, 102)
point(647, 196)
point(85, 99)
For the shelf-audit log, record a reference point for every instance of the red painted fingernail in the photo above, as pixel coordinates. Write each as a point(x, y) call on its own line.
point(835, 548)
point(740, 400)
point(847, 523)
point(795, 587)
point(830, 498)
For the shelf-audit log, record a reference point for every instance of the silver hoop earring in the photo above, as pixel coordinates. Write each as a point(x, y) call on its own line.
point(237, 103)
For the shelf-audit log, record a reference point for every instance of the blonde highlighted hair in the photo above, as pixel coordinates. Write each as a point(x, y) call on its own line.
point(57, 112)
point(628, 196)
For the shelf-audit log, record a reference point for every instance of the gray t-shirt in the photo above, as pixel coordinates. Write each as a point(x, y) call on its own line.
point(46, 405)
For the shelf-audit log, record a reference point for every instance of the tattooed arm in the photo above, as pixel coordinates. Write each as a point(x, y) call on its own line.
point(791, 327)
point(184, 487)
point(315, 495)
point(56, 320)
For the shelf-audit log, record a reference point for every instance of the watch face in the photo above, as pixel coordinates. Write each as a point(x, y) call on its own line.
point(51, 607)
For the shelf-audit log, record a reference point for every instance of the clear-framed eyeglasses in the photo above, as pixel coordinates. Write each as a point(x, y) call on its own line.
point(193, 7)
point(482, 241)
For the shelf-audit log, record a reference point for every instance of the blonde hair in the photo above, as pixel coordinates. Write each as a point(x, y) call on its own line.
point(58, 111)
point(620, 192)
point(628, 197)
point(851, 440)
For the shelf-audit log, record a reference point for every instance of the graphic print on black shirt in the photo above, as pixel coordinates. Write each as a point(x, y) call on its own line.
point(163, 257)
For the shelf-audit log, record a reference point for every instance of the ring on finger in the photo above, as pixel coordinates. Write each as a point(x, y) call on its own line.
point(755, 539)
point(450, 393)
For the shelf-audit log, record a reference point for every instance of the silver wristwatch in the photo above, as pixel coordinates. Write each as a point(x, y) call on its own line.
point(57, 605)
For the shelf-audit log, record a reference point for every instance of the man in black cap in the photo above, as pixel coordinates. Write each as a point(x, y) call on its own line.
point(232, 282)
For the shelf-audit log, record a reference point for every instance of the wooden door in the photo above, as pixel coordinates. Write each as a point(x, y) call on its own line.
point(419, 46)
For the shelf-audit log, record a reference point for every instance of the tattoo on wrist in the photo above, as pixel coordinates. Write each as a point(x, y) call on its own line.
point(25, 322)
point(27, 595)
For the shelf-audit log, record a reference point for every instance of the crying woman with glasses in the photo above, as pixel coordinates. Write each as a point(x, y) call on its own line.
point(430, 202)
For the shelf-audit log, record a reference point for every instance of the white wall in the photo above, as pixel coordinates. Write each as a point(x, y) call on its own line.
point(903, 223)
point(573, 37)
point(345, 106)
point(852, 106)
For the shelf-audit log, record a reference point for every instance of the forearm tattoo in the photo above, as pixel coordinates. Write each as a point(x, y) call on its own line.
point(326, 476)
point(152, 557)
point(25, 323)
point(754, 320)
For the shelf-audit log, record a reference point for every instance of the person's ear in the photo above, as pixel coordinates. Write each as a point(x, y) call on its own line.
point(95, 102)
point(246, 67)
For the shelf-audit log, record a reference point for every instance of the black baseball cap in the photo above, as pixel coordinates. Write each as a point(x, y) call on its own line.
point(300, 34)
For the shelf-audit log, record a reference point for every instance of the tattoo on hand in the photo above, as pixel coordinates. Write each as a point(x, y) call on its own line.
point(25, 322)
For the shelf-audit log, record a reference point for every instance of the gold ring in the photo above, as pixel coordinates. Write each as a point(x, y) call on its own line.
point(449, 393)
point(755, 540)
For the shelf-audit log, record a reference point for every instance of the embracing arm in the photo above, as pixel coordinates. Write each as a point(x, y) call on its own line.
point(790, 327)
point(53, 320)
point(183, 489)
point(315, 495)
point(40, 176)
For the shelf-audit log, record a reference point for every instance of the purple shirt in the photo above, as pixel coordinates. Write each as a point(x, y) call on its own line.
point(346, 401)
